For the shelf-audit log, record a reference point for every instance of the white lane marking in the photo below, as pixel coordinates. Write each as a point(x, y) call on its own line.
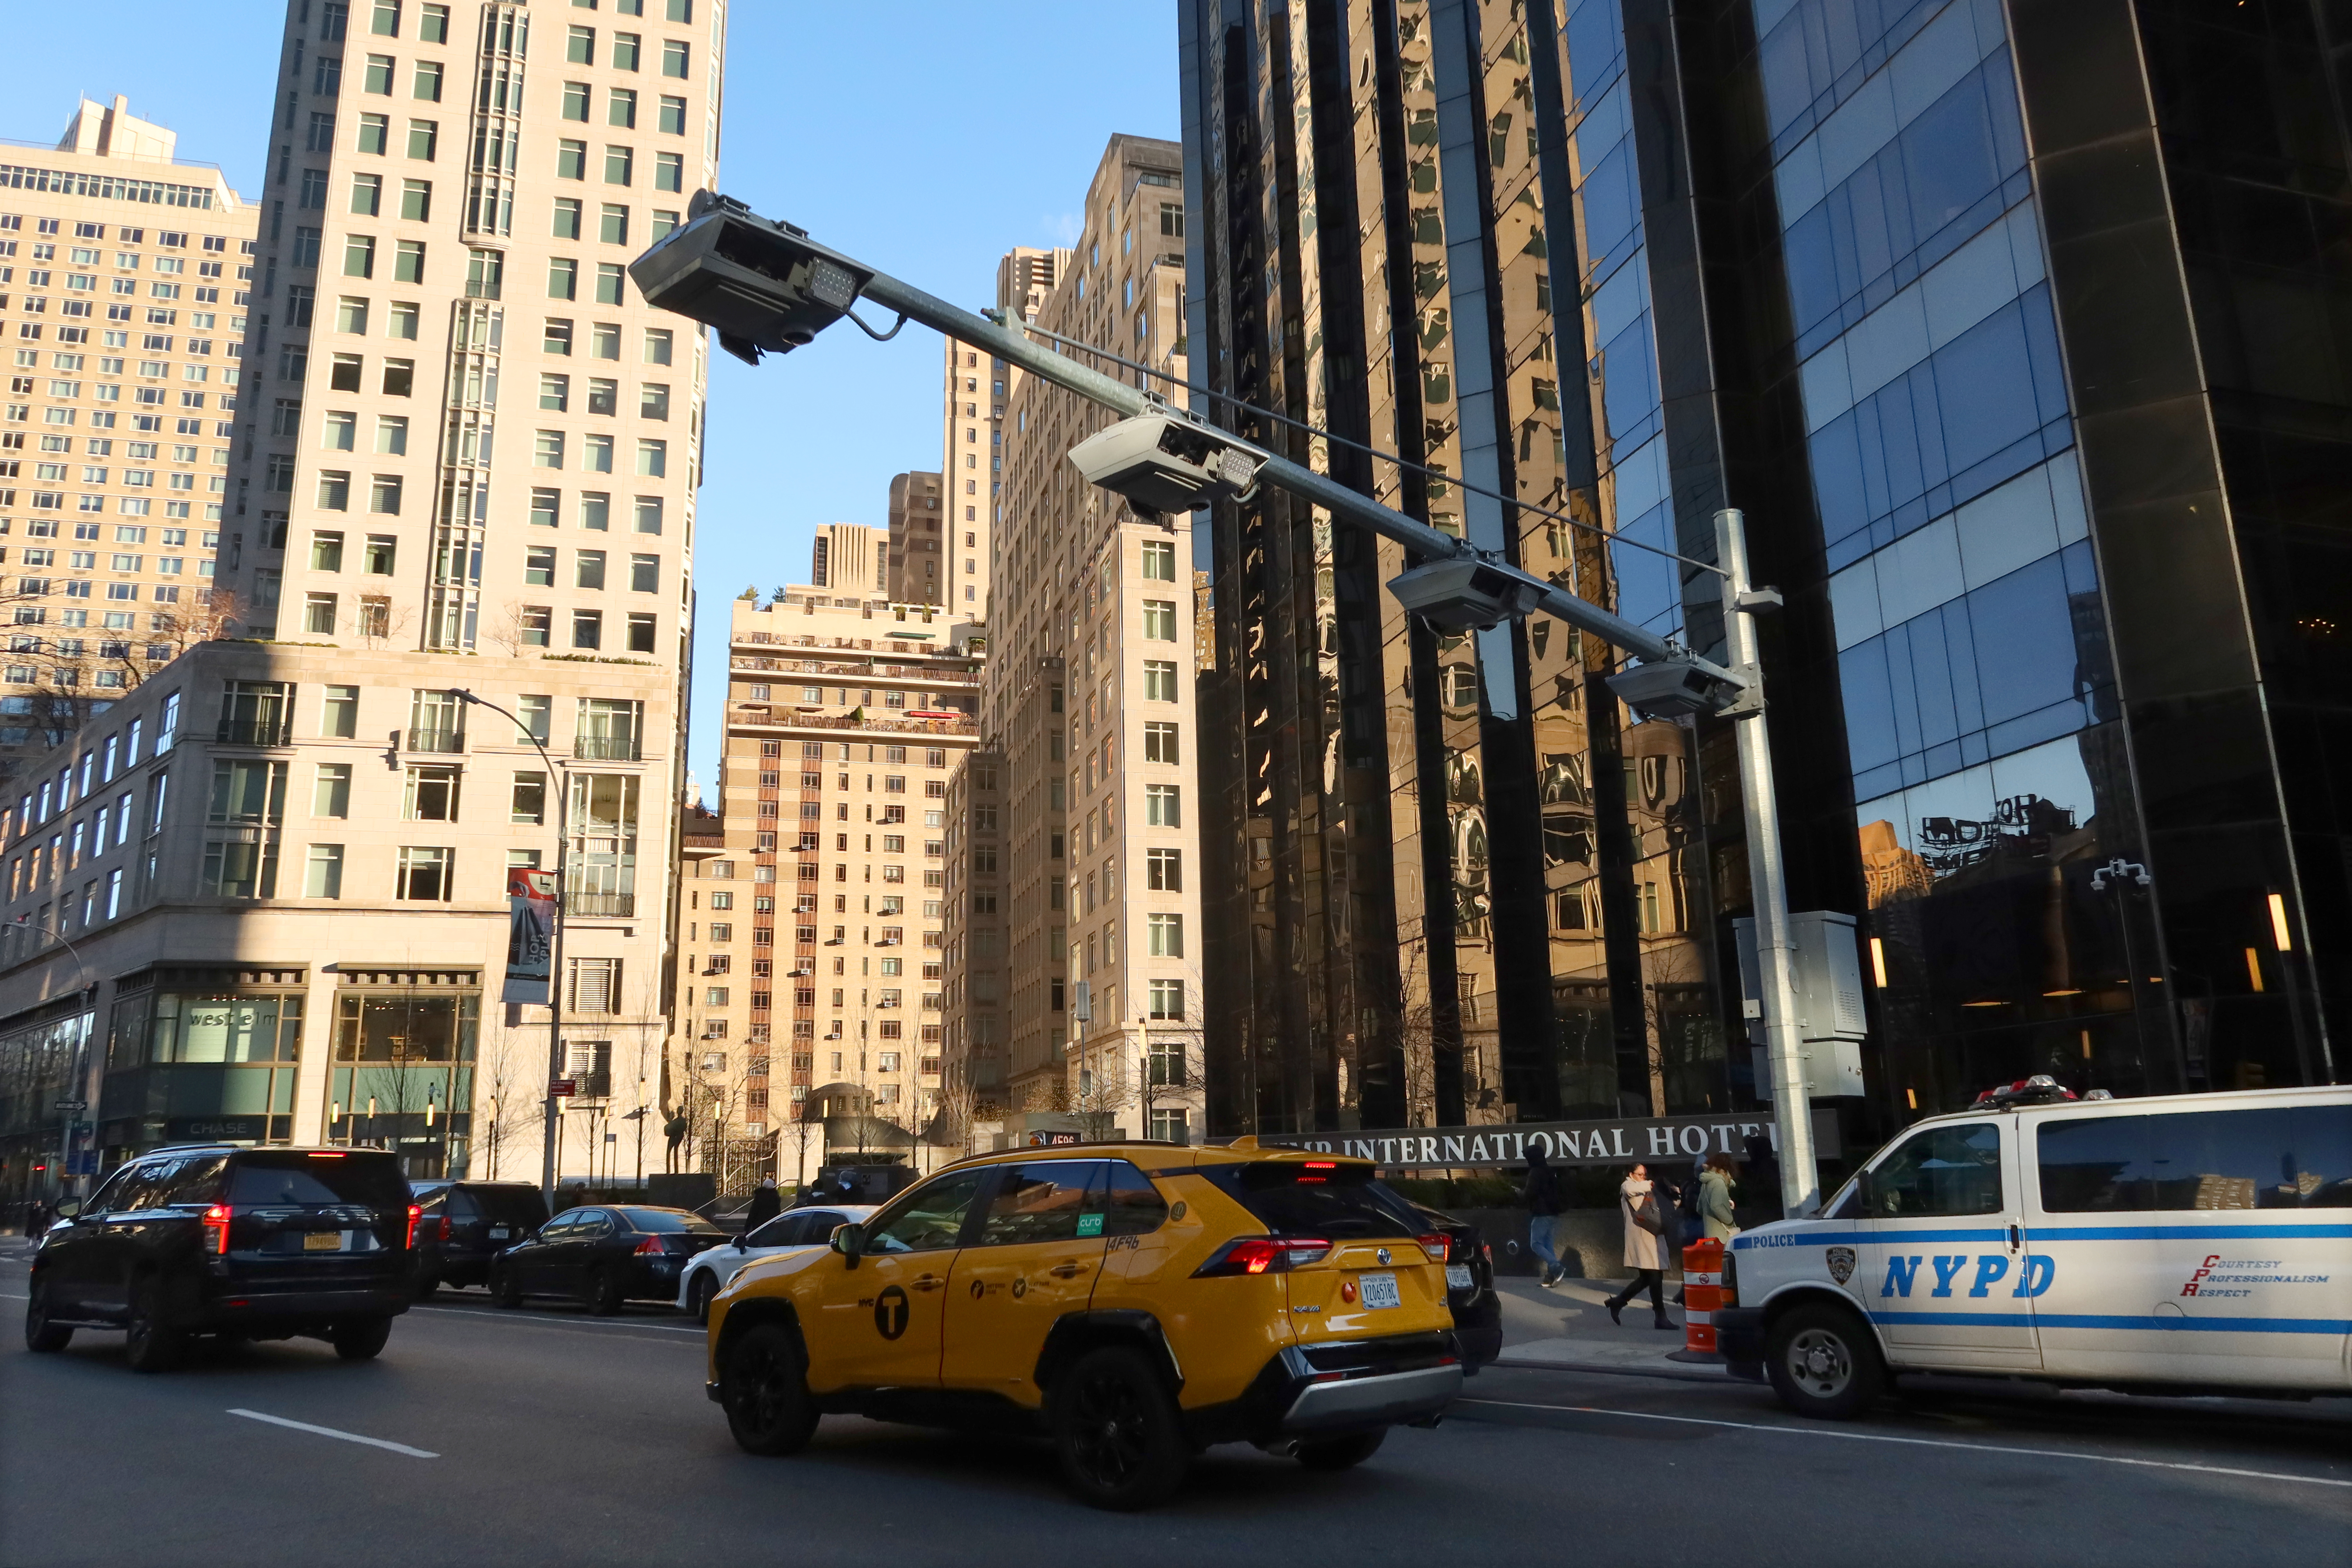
point(330, 1432)
point(577, 1325)
point(1918, 1442)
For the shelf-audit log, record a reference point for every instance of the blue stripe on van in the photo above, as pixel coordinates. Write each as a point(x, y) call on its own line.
point(2191, 1233)
point(2112, 1321)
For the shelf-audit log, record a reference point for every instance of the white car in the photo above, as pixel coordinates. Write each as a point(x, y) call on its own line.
point(789, 1231)
point(2188, 1243)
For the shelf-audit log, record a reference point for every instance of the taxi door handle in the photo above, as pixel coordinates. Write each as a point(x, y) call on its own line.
point(1067, 1270)
point(928, 1282)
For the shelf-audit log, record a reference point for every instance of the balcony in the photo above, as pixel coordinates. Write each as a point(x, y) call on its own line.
point(436, 739)
point(255, 732)
point(601, 906)
point(606, 748)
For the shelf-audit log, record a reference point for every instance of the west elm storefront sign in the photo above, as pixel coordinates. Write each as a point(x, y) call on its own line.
point(1681, 1139)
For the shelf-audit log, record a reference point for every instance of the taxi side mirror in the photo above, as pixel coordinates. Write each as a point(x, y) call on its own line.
point(68, 1207)
point(849, 1241)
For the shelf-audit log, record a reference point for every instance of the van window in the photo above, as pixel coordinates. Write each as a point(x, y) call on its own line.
point(1940, 1173)
point(2274, 1157)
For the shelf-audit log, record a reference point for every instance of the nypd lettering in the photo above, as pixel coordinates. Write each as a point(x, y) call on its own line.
point(1952, 1274)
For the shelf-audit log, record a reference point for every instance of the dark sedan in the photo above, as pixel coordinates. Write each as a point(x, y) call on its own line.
point(1469, 1288)
point(603, 1256)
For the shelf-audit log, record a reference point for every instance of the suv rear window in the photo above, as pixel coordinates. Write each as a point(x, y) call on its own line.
point(1298, 1199)
point(373, 1181)
point(659, 1221)
point(509, 1206)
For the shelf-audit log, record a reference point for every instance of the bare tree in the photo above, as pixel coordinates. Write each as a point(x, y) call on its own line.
point(506, 630)
point(381, 621)
point(508, 1107)
point(73, 667)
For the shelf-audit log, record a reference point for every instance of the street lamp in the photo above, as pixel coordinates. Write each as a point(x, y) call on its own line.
point(555, 950)
point(767, 286)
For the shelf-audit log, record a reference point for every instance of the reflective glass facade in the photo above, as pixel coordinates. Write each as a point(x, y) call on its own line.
point(1877, 272)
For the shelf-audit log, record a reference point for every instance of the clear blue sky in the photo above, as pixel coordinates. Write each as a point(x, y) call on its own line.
point(927, 137)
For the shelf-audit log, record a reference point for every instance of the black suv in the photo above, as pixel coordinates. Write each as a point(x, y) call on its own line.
point(461, 1226)
point(260, 1244)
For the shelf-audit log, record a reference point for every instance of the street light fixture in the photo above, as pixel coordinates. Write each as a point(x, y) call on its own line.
point(554, 1104)
point(765, 285)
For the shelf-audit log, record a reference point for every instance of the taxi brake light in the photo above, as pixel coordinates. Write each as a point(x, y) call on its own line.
point(1435, 1246)
point(1263, 1255)
point(326, 1153)
point(1322, 1164)
point(413, 1211)
point(216, 1224)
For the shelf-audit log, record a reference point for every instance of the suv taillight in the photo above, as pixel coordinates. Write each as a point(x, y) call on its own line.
point(414, 1213)
point(443, 1235)
point(216, 1229)
point(1435, 1246)
point(1263, 1255)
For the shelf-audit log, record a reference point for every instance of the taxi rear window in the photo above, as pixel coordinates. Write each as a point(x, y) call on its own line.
point(1297, 1199)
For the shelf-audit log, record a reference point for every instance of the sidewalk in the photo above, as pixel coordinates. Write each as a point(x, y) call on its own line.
point(1567, 1328)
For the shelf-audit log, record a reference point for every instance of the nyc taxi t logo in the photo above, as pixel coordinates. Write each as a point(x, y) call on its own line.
point(2032, 1280)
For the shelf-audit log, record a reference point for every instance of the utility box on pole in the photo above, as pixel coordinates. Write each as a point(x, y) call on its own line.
point(1830, 1017)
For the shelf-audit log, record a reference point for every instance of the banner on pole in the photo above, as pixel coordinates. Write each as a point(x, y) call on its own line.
point(531, 935)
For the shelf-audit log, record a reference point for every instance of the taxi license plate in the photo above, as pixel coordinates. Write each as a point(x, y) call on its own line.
point(1457, 1277)
point(1379, 1291)
point(323, 1241)
point(498, 1232)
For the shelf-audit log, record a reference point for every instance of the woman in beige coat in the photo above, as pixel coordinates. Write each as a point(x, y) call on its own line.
point(1643, 1253)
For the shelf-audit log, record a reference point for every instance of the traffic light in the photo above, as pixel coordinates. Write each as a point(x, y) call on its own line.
point(765, 286)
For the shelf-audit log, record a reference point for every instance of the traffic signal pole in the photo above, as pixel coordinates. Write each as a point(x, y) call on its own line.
point(815, 287)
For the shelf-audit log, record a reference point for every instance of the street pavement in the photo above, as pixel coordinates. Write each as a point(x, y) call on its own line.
point(544, 1435)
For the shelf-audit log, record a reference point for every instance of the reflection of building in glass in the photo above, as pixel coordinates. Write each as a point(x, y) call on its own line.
point(2054, 590)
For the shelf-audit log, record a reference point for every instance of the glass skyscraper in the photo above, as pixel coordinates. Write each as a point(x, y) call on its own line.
point(2014, 331)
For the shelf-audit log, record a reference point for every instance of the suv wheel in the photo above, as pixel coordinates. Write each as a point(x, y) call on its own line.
point(1823, 1363)
point(504, 1291)
point(604, 1293)
point(151, 1344)
point(1116, 1429)
point(699, 1294)
point(40, 1334)
point(763, 1387)
point(361, 1341)
point(1342, 1453)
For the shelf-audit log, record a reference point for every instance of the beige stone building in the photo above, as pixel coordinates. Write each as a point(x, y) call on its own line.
point(467, 458)
point(264, 897)
point(125, 284)
point(1088, 698)
point(851, 559)
point(974, 388)
point(921, 557)
point(810, 986)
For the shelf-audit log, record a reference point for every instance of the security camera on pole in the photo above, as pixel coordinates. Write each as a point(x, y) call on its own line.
point(766, 287)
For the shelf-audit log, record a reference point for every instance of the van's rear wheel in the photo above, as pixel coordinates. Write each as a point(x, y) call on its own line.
point(1116, 1429)
point(1823, 1363)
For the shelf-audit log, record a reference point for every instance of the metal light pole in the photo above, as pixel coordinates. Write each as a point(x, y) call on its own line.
point(800, 287)
point(76, 1078)
point(555, 952)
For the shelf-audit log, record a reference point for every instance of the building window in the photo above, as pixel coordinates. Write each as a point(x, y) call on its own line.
point(1165, 935)
point(1159, 742)
point(588, 629)
point(1160, 620)
point(1160, 562)
point(1163, 870)
point(1160, 681)
point(322, 875)
point(595, 986)
point(1167, 999)
point(1163, 805)
point(431, 794)
point(423, 875)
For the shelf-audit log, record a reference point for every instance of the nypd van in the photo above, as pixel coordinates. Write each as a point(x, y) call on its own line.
point(2183, 1244)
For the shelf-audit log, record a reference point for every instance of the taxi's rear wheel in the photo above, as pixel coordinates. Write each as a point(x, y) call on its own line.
point(1823, 1363)
point(763, 1387)
point(1116, 1429)
point(1342, 1453)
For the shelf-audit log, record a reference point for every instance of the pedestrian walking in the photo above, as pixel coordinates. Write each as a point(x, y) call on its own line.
point(1645, 1223)
point(1543, 1219)
point(1717, 1213)
point(766, 1204)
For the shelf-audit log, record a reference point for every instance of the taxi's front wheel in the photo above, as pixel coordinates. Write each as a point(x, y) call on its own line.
point(764, 1390)
point(1116, 1429)
point(1823, 1363)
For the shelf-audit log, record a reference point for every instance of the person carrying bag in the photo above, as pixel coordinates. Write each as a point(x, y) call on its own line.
point(1647, 1225)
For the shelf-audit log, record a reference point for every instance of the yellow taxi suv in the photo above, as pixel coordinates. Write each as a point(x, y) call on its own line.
point(1134, 1302)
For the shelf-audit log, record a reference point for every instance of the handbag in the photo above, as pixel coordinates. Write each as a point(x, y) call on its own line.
point(1645, 1213)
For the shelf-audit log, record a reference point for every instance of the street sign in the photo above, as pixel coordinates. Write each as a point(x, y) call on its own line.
point(563, 1088)
point(71, 1105)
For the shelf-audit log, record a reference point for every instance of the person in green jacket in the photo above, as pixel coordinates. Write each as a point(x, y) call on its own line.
point(1715, 1213)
